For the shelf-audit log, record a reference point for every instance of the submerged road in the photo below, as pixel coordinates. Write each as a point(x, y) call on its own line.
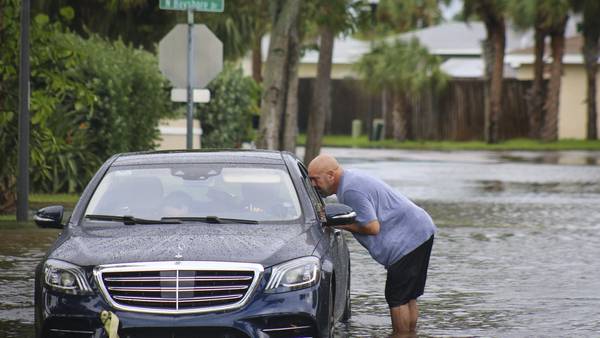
point(516, 253)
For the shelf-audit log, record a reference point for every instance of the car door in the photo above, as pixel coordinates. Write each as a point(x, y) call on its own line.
point(337, 244)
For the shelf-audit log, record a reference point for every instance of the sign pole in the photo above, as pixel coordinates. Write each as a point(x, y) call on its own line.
point(190, 93)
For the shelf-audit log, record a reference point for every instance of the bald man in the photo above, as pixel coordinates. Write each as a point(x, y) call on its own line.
point(397, 233)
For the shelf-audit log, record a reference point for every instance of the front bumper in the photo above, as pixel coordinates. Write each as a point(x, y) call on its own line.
point(300, 313)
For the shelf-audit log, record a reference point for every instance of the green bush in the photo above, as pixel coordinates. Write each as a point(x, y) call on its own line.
point(90, 98)
point(227, 119)
point(56, 141)
point(131, 95)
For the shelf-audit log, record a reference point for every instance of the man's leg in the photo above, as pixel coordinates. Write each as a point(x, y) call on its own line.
point(414, 314)
point(401, 318)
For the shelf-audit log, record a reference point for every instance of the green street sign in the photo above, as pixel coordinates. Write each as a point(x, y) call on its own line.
point(196, 5)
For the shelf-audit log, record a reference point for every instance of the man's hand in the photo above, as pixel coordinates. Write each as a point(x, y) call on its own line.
point(371, 228)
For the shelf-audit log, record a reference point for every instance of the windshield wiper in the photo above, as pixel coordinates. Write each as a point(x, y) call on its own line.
point(211, 219)
point(130, 220)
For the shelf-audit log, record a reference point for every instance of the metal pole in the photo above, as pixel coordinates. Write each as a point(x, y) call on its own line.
point(23, 177)
point(190, 93)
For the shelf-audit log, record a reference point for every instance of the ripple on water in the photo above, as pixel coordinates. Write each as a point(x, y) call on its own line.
point(516, 253)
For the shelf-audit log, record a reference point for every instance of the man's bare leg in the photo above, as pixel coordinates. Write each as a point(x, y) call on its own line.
point(401, 319)
point(414, 314)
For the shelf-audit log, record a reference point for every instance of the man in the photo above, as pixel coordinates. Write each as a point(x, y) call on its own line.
point(397, 233)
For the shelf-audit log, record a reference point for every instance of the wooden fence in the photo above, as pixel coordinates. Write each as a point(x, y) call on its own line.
point(457, 113)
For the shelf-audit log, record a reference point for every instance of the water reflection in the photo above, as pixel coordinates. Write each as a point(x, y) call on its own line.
point(567, 158)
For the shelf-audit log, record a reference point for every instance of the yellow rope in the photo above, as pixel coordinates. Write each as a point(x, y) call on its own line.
point(111, 323)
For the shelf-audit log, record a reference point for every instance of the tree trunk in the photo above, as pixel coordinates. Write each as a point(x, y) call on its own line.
point(321, 99)
point(535, 99)
point(590, 55)
point(274, 84)
point(386, 115)
point(550, 130)
point(400, 121)
point(488, 57)
point(498, 39)
point(290, 118)
point(257, 59)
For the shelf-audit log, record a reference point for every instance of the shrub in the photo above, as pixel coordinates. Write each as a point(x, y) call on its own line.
point(227, 119)
point(90, 98)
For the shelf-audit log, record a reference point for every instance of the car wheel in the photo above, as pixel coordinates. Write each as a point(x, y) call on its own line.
point(348, 306)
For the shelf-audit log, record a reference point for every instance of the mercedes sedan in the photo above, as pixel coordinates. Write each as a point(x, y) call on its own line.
point(195, 244)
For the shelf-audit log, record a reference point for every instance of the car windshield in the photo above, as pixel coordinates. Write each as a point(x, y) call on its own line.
point(196, 192)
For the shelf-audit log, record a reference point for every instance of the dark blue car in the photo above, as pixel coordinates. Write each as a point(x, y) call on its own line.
point(195, 244)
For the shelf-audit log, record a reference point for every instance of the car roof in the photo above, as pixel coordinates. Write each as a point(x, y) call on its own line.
point(201, 156)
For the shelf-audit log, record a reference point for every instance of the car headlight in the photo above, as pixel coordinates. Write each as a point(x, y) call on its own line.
point(296, 274)
point(65, 277)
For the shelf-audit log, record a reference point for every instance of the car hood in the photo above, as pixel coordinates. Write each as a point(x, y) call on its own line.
point(266, 244)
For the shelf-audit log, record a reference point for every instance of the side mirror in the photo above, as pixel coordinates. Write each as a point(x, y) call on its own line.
point(50, 217)
point(339, 214)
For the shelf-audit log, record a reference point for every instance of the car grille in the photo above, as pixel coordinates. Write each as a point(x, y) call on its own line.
point(178, 287)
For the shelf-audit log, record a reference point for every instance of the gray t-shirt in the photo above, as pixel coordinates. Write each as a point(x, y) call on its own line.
point(403, 225)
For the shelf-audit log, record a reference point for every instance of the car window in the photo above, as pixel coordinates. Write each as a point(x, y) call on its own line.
point(197, 190)
point(315, 199)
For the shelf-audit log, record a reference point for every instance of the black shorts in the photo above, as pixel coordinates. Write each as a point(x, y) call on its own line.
point(406, 278)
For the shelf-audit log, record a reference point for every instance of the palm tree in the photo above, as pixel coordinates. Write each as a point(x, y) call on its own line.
point(590, 29)
point(527, 14)
point(275, 84)
point(557, 15)
point(403, 69)
point(403, 15)
point(492, 13)
point(333, 17)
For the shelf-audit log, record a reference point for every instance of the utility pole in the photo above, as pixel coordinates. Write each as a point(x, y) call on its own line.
point(23, 171)
point(190, 90)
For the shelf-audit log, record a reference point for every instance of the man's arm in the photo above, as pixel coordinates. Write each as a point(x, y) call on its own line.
point(371, 228)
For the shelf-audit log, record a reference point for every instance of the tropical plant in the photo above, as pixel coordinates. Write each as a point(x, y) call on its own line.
point(404, 69)
point(137, 22)
point(56, 137)
point(548, 18)
point(131, 95)
point(590, 29)
point(492, 13)
point(332, 18)
point(89, 99)
point(525, 15)
point(275, 83)
point(557, 14)
point(402, 15)
point(240, 27)
point(227, 119)
point(143, 23)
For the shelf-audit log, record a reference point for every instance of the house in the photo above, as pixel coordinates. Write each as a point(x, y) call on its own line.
point(459, 46)
point(572, 114)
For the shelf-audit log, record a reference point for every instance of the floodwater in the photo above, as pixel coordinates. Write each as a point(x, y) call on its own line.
point(517, 251)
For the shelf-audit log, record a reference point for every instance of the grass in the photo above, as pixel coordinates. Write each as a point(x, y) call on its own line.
point(63, 199)
point(514, 144)
point(37, 201)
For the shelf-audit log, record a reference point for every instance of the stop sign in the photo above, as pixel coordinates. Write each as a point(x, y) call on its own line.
point(207, 52)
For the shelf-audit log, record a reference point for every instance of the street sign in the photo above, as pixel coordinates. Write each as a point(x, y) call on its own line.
point(199, 95)
point(207, 55)
point(195, 5)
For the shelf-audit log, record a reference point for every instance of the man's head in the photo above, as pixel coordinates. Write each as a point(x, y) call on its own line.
point(325, 172)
